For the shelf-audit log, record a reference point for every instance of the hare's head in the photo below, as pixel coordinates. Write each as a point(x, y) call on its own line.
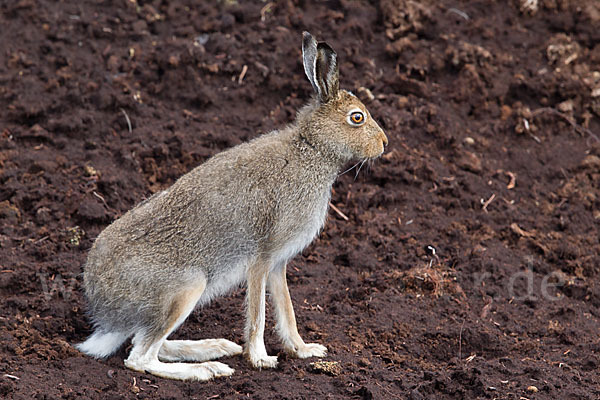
point(337, 119)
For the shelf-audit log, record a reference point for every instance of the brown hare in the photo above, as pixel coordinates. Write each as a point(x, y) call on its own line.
point(238, 218)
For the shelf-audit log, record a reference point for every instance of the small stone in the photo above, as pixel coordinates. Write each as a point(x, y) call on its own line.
point(364, 362)
point(43, 215)
point(90, 171)
point(505, 112)
point(402, 101)
point(532, 389)
point(469, 162)
point(566, 106)
point(469, 140)
point(174, 60)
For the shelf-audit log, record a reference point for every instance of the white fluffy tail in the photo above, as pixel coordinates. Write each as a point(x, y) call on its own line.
point(102, 344)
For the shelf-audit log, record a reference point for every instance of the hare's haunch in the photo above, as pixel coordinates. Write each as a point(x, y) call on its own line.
point(238, 218)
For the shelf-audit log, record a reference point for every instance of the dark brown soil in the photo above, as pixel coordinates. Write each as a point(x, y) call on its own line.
point(492, 109)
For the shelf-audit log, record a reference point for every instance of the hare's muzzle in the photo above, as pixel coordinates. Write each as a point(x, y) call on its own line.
point(382, 141)
point(383, 138)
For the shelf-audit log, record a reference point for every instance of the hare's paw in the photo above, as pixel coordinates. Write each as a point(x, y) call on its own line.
point(229, 348)
point(262, 361)
point(265, 362)
point(218, 369)
point(310, 350)
point(181, 371)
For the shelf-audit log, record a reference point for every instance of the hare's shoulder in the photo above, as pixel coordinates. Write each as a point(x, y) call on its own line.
point(305, 230)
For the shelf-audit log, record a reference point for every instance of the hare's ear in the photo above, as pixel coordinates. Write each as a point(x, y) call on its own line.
point(309, 58)
point(320, 66)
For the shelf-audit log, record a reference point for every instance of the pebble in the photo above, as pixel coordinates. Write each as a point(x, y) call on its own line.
point(469, 162)
point(532, 389)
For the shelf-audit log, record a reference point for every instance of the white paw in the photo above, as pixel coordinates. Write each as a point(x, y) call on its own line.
point(264, 361)
point(218, 369)
point(310, 350)
point(228, 348)
point(182, 371)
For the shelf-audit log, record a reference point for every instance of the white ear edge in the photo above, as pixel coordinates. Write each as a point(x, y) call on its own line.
point(309, 59)
point(314, 75)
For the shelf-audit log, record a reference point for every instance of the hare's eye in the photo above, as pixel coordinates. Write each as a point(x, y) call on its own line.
point(356, 118)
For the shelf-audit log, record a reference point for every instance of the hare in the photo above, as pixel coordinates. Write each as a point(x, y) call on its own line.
point(237, 218)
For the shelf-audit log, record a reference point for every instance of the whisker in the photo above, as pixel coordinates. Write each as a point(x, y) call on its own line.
point(348, 169)
point(361, 165)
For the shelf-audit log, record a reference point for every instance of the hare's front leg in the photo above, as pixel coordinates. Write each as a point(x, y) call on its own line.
point(255, 350)
point(286, 320)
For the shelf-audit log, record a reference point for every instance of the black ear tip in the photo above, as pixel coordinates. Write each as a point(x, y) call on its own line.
point(325, 46)
point(308, 39)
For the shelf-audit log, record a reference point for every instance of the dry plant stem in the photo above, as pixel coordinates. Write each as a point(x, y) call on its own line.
point(127, 119)
point(578, 128)
point(487, 202)
point(242, 74)
point(338, 211)
point(460, 340)
point(513, 180)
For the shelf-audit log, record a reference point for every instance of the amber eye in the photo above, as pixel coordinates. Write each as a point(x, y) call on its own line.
point(357, 118)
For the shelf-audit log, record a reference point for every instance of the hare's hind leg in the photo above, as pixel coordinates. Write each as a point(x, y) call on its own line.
point(146, 345)
point(286, 320)
point(197, 350)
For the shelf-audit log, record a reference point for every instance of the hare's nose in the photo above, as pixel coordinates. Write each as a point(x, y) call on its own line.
point(384, 138)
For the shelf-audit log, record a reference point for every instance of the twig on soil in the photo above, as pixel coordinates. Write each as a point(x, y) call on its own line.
point(487, 202)
point(265, 10)
point(459, 12)
point(98, 196)
point(127, 119)
point(517, 229)
point(486, 309)
point(578, 128)
point(101, 198)
point(242, 74)
point(513, 180)
point(526, 125)
point(40, 240)
point(14, 378)
point(460, 340)
point(135, 388)
point(338, 211)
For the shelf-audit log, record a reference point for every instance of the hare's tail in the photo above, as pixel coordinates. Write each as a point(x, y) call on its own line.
point(102, 344)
